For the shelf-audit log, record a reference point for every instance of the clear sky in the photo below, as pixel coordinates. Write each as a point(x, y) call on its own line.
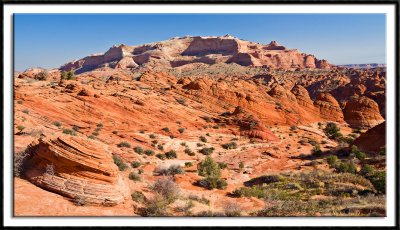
point(51, 40)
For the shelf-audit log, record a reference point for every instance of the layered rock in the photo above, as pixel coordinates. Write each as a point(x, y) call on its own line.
point(328, 107)
point(210, 50)
point(76, 168)
point(373, 140)
point(362, 112)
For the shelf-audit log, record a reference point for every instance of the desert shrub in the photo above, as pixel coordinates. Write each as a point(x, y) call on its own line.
point(215, 127)
point(366, 170)
point(79, 201)
point(154, 142)
point(119, 162)
point(169, 171)
point(346, 167)
point(332, 131)
point(254, 191)
point(165, 129)
point(19, 162)
point(124, 144)
point(316, 151)
point(222, 165)
point(332, 160)
point(188, 164)
point(347, 140)
point(115, 132)
point(199, 144)
point(212, 183)
point(138, 150)
point(156, 206)
point(202, 199)
point(100, 125)
point(57, 123)
point(360, 155)
point(75, 128)
point(136, 164)
point(230, 145)
point(160, 147)
point(141, 131)
point(95, 134)
point(186, 208)
point(293, 128)
point(69, 132)
point(152, 136)
point(140, 171)
point(161, 156)
point(189, 152)
point(25, 111)
point(171, 154)
point(323, 142)
point(20, 127)
point(207, 151)
point(42, 76)
point(181, 130)
point(241, 165)
point(149, 152)
point(378, 179)
point(92, 137)
point(209, 168)
point(68, 75)
point(203, 139)
point(138, 197)
point(167, 188)
point(134, 176)
point(232, 209)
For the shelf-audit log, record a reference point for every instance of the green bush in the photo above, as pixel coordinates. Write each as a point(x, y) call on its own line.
point(134, 176)
point(160, 147)
point(152, 136)
point(366, 170)
point(213, 182)
point(207, 151)
point(222, 165)
point(241, 165)
point(332, 131)
point(57, 123)
point(69, 132)
point(230, 145)
point(25, 111)
point(124, 144)
point(166, 129)
point(20, 127)
point(360, 155)
point(203, 139)
point(138, 197)
point(189, 152)
point(171, 154)
point(209, 168)
point(332, 160)
point(138, 150)
point(161, 156)
point(181, 130)
point(136, 164)
point(316, 151)
point(378, 179)
point(346, 167)
point(149, 152)
point(118, 161)
point(188, 164)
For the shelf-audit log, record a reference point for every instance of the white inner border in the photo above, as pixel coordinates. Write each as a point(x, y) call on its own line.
point(9, 9)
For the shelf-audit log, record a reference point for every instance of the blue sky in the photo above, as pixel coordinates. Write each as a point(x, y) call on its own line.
point(50, 40)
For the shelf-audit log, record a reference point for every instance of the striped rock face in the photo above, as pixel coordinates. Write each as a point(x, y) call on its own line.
point(77, 168)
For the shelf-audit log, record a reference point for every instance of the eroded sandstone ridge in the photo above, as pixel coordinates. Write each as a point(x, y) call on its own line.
point(76, 168)
point(177, 52)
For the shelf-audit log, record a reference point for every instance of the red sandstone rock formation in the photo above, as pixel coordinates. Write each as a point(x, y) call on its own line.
point(328, 107)
point(362, 112)
point(187, 50)
point(373, 140)
point(77, 168)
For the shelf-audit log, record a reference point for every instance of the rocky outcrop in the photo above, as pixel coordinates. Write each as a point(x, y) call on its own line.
point(76, 168)
point(373, 140)
point(210, 50)
point(362, 112)
point(328, 107)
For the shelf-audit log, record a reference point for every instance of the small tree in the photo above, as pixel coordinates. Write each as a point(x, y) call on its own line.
point(208, 167)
